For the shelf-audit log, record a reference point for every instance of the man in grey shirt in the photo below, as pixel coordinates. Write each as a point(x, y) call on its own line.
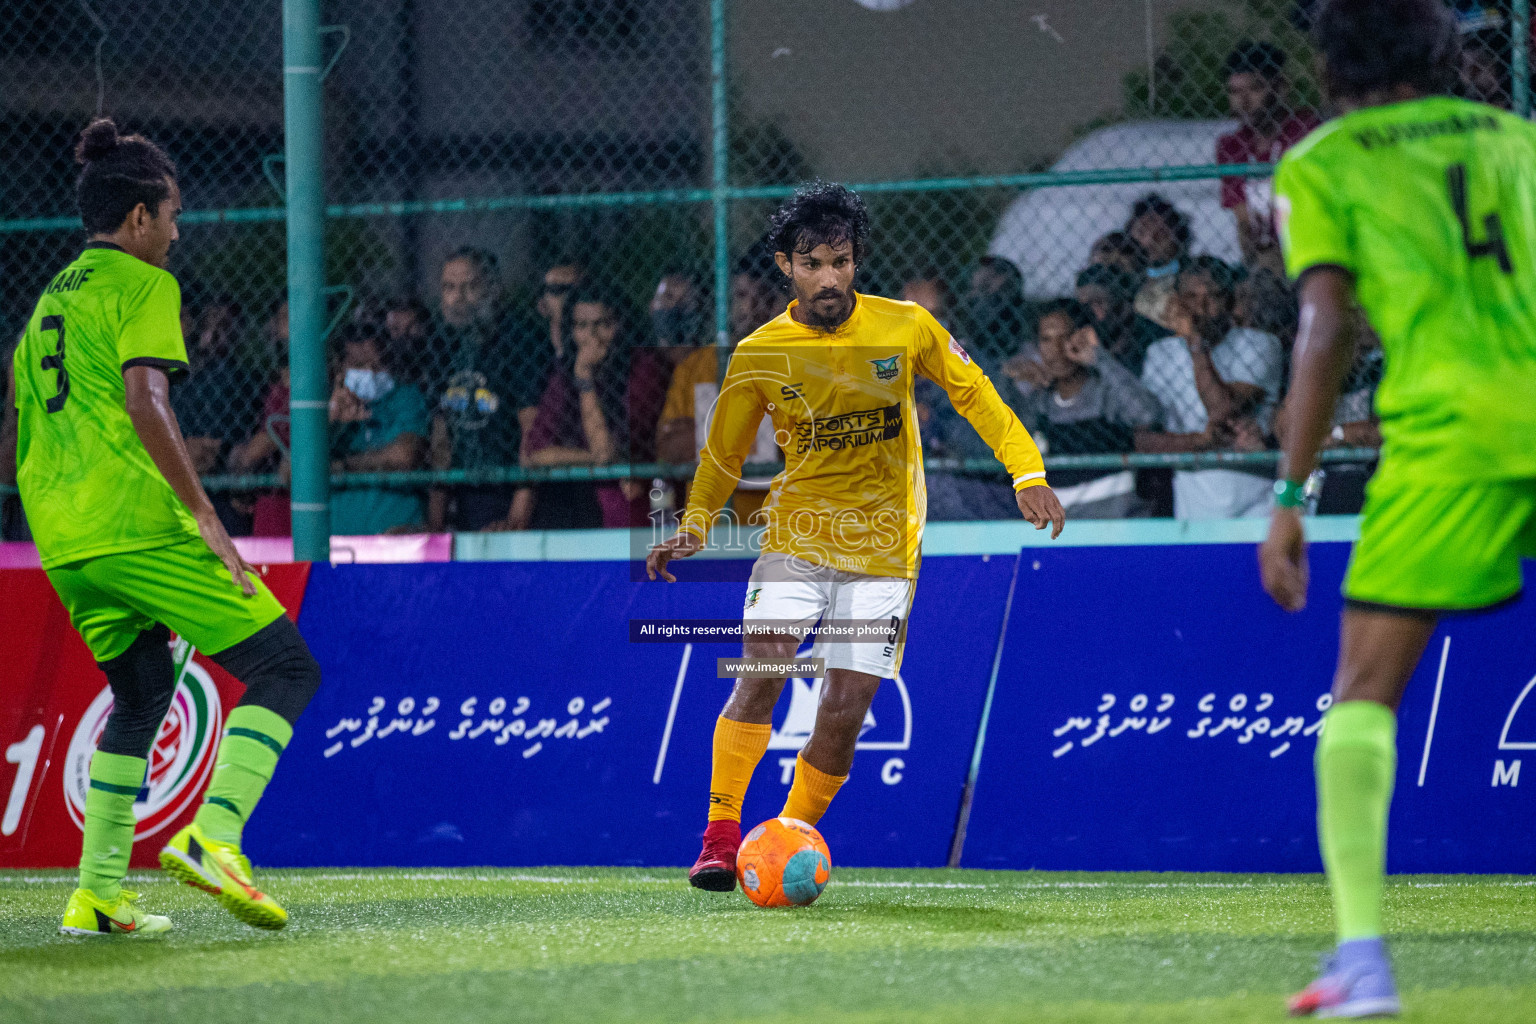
point(1092, 405)
point(1218, 385)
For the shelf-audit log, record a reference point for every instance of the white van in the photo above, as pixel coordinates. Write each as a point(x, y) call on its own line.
point(1048, 232)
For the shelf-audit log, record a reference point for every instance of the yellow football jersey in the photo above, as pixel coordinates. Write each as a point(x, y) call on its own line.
point(851, 495)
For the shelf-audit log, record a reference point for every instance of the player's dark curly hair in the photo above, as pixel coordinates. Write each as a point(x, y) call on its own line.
point(820, 213)
point(1376, 44)
point(117, 173)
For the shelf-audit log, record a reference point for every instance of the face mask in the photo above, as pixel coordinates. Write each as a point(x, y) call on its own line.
point(676, 326)
point(368, 385)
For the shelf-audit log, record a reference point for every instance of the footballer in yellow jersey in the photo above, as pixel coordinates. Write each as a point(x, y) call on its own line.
point(844, 520)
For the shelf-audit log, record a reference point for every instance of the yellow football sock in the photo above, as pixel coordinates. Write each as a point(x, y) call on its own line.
point(738, 748)
point(811, 793)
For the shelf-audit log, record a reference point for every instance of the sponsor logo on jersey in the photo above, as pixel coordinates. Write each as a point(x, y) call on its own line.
point(959, 350)
point(180, 761)
point(848, 430)
point(888, 368)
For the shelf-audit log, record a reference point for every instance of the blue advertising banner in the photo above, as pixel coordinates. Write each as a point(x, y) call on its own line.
point(498, 714)
point(1156, 711)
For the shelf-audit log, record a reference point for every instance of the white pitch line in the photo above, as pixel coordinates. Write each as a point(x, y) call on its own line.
point(290, 875)
point(1434, 709)
point(919, 885)
point(677, 694)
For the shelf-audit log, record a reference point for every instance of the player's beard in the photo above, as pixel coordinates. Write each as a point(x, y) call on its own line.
point(830, 321)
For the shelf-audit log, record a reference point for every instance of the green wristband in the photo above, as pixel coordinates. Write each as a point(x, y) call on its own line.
point(1290, 493)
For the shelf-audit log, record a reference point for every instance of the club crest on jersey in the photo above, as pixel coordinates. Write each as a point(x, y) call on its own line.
point(753, 595)
point(957, 349)
point(887, 369)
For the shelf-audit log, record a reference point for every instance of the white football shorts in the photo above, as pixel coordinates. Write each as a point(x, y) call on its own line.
point(798, 594)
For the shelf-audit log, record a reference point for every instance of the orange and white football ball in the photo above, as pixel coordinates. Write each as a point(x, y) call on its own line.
point(783, 863)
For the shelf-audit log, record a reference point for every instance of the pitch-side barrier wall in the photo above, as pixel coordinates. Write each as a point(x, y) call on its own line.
point(1150, 710)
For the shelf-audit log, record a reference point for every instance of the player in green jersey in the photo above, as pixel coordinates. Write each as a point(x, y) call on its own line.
point(1420, 208)
point(133, 546)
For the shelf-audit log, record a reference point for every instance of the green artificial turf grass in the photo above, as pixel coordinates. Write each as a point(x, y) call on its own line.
point(639, 945)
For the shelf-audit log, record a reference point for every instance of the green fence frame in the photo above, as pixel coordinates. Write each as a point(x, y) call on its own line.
point(305, 215)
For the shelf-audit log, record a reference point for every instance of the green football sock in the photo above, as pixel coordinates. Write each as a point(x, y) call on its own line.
point(1356, 766)
point(115, 783)
point(254, 738)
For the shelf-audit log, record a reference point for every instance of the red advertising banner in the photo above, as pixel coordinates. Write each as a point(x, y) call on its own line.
point(54, 703)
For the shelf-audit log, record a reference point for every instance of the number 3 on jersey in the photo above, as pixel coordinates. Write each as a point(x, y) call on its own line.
point(56, 361)
point(1456, 181)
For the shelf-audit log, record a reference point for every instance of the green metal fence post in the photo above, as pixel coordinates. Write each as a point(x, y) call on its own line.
point(303, 168)
point(720, 179)
point(1520, 57)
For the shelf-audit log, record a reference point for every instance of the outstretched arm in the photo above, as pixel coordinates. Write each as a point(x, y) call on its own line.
point(148, 403)
point(942, 360)
point(732, 433)
point(1324, 349)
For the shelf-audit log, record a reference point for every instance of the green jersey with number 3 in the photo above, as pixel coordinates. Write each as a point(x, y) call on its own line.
point(1431, 205)
point(88, 485)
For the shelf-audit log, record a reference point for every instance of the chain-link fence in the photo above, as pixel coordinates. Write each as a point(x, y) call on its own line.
point(531, 201)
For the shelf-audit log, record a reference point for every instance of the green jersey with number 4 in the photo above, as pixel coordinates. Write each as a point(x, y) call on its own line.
point(88, 485)
point(1431, 205)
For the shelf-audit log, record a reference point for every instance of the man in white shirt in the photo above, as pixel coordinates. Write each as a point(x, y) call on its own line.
point(1218, 385)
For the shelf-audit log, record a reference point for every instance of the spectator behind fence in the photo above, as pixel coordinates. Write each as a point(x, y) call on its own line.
point(564, 275)
point(953, 495)
point(1162, 231)
point(1355, 425)
point(1218, 385)
point(755, 299)
point(1119, 250)
point(1265, 301)
point(1090, 405)
point(1109, 293)
point(1486, 71)
point(216, 400)
point(1259, 95)
point(929, 290)
point(486, 373)
point(378, 425)
point(679, 328)
point(407, 324)
point(265, 450)
point(993, 317)
point(581, 421)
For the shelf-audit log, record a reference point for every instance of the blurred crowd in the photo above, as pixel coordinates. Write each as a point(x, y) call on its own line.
point(1158, 350)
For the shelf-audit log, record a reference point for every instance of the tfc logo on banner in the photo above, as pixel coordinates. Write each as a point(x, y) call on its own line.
point(56, 705)
point(891, 730)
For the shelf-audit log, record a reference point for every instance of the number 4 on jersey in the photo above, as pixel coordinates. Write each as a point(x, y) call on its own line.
point(56, 361)
point(1493, 245)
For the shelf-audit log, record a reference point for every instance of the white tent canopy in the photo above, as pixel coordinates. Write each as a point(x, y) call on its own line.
point(1047, 232)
